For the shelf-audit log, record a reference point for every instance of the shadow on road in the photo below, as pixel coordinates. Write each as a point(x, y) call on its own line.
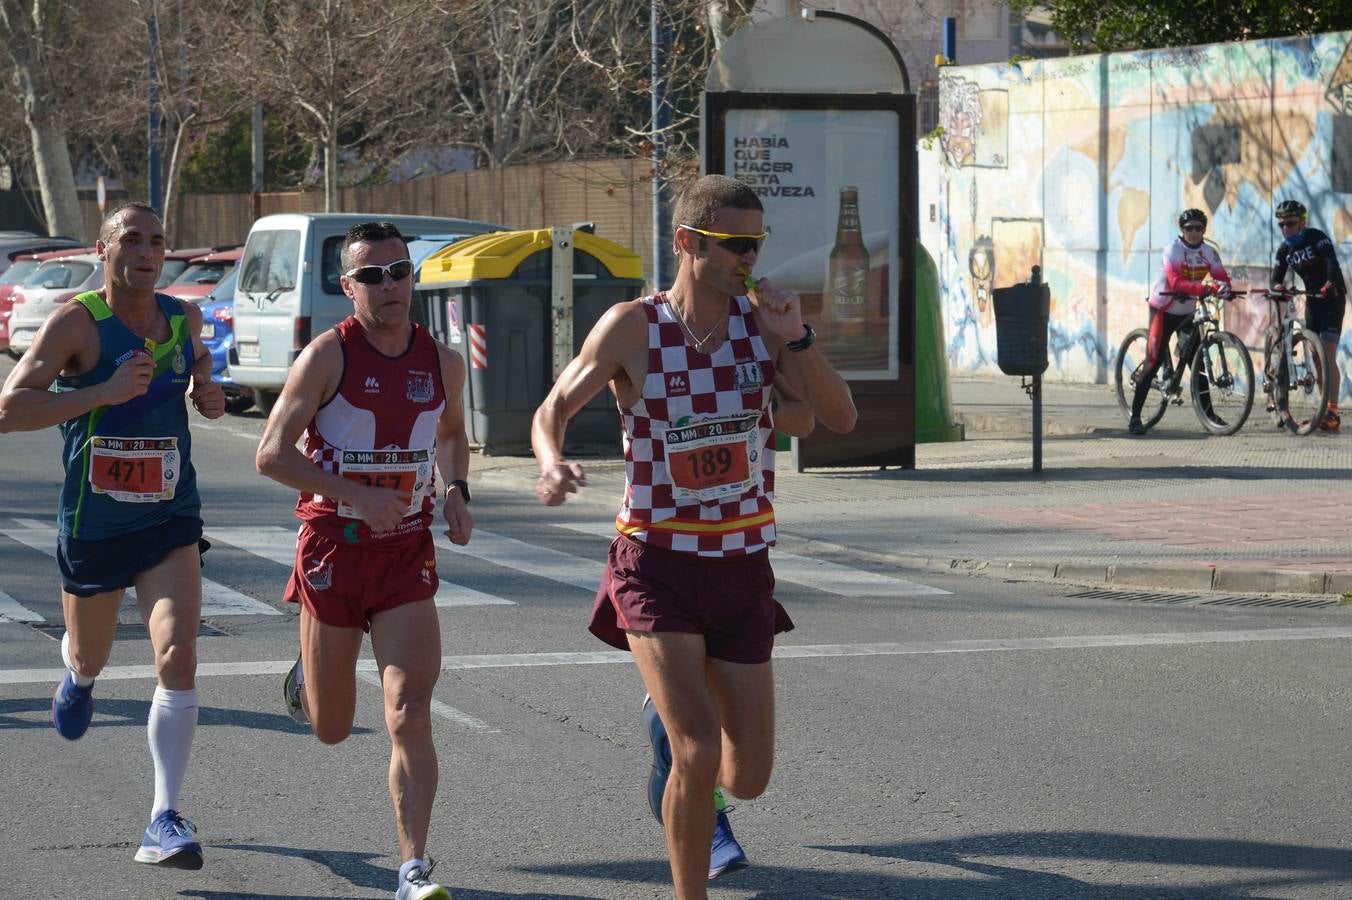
point(1015, 864)
point(29, 713)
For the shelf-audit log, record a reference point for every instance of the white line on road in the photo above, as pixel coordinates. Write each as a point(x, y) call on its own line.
point(14, 611)
point(217, 599)
point(529, 558)
point(278, 545)
point(441, 709)
point(803, 651)
point(817, 574)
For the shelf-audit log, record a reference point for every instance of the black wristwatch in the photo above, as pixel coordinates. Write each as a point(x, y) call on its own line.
point(803, 342)
point(460, 485)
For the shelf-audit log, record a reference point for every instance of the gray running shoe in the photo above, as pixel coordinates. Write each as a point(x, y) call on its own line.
point(291, 688)
point(418, 885)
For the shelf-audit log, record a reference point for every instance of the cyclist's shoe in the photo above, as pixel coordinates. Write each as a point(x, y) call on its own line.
point(291, 688)
point(1330, 422)
point(1136, 426)
point(169, 842)
point(661, 770)
point(72, 708)
point(726, 854)
point(418, 885)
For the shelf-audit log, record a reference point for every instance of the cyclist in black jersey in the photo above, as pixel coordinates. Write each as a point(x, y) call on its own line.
point(1309, 253)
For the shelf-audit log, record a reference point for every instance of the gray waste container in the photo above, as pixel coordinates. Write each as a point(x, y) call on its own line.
point(1021, 315)
point(492, 298)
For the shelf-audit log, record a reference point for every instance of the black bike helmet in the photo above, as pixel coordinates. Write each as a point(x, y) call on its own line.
point(1288, 209)
point(1191, 215)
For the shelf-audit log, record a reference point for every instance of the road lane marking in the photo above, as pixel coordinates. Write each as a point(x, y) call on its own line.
point(12, 610)
point(439, 708)
point(217, 599)
point(278, 545)
point(817, 574)
point(529, 558)
point(802, 651)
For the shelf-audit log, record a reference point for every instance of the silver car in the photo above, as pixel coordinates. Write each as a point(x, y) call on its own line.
point(54, 282)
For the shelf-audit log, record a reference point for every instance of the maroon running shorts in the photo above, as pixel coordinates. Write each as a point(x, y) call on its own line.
point(345, 584)
point(728, 599)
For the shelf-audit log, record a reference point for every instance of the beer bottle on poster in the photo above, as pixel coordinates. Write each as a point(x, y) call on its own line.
point(847, 282)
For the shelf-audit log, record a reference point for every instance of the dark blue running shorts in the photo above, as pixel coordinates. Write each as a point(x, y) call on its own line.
point(95, 567)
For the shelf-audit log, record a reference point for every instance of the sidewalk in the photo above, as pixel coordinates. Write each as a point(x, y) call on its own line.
point(1262, 511)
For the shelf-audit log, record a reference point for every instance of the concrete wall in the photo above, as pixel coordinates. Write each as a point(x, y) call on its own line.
point(1082, 164)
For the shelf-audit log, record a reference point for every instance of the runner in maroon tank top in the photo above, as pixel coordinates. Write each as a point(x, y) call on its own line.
point(699, 372)
point(379, 403)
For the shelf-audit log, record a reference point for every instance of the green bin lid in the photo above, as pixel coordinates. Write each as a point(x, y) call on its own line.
point(497, 254)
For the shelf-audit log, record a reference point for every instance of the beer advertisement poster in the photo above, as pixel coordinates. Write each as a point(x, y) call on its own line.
point(828, 180)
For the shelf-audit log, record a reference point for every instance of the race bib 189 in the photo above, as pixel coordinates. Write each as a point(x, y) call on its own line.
point(134, 470)
point(714, 459)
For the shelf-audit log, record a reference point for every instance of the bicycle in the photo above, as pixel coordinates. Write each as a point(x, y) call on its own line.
point(1294, 364)
point(1222, 384)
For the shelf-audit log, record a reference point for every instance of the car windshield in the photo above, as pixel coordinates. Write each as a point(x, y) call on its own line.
point(224, 289)
point(172, 269)
point(202, 273)
point(59, 273)
point(17, 272)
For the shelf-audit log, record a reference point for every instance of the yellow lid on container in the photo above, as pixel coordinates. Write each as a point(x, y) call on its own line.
point(497, 255)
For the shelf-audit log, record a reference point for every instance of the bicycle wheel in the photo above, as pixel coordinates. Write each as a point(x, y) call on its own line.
point(1302, 394)
point(1131, 358)
point(1222, 383)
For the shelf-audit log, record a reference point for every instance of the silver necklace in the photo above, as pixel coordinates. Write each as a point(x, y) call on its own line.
point(699, 342)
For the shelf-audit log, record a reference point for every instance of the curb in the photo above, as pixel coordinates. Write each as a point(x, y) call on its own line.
point(985, 423)
point(1182, 577)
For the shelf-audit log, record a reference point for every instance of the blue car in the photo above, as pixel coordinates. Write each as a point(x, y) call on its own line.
point(218, 335)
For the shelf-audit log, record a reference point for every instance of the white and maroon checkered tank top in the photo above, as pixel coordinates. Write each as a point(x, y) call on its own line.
point(698, 445)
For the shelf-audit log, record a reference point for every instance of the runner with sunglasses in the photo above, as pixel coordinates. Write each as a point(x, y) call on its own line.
point(378, 400)
point(1186, 265)
point(688, 588)
point(1309, 253)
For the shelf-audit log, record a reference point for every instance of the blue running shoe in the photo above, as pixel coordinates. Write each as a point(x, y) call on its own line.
point(169, 842)
point(417, 885)
point(726, 855)
point(72, 708)
point(661, 770)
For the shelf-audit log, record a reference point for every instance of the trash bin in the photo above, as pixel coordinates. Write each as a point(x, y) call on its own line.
point(1021, 314)
point(501, 299)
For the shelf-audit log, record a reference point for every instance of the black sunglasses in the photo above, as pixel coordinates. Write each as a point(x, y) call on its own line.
point(372, 275)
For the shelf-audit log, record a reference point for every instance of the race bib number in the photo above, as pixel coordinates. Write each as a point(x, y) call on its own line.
point(405, 471)
point(714, 459)
point(134, 470)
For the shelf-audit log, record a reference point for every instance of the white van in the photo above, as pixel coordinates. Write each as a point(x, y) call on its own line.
point(288, 292)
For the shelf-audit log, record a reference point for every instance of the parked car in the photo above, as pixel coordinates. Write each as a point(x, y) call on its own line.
point(10, 280)
point(288, 288)
point(175, 261)
point(204, 273)
point(218, 335)
point(52, 283)
point(14, 244)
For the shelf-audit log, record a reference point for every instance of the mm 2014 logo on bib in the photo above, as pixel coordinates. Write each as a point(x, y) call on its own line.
point(420, 389)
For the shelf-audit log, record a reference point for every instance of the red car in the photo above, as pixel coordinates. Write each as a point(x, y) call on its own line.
point(203, 273)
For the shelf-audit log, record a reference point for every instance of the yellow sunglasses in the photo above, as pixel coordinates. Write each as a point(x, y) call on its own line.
point(739, 244)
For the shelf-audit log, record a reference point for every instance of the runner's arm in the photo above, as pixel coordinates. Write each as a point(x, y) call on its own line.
point(28, 404)
point(779, 318)
point(207, 396)
point(313, 380)
point(791, 413)
point(453, 445)
point(622, 331)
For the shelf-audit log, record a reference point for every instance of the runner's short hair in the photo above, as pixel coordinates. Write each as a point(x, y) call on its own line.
point(368, 233)
point(700, 201)
point(109, 223)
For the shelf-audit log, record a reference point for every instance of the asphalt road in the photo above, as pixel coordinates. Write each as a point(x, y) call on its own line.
point(940, 735)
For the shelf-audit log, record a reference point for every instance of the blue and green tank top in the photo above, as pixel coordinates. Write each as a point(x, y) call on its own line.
point(128, 466)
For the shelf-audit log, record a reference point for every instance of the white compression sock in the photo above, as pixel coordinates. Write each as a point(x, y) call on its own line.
point(65, 658)
point(170, 727)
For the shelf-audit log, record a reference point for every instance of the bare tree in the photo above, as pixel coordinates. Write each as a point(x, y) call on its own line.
point(349, 77)
point(36, 42)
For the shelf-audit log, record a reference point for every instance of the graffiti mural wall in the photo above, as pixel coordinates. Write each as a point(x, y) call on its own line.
point(1081, 165)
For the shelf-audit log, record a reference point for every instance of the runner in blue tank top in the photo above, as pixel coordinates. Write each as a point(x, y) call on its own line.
point(122, 360)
